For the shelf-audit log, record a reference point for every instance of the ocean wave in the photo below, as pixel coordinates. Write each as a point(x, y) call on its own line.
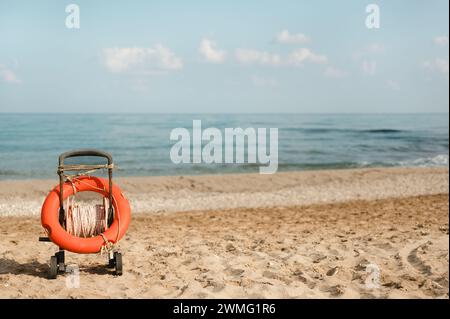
point(440, 160)
point(382, 131)
point(8, 172)
point(341, 130)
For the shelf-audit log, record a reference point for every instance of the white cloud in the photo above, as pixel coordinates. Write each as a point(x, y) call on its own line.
point(288, 38)
point(441, 40)
point(210, 53)
point(250, 56)
point(300, 56)
point(296, 58)
point(332, 72)
point(141, 60)
point(437, 65)
point(369, 67)
point(8, 75)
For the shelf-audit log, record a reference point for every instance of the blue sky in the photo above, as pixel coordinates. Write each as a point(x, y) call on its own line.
point(221, 57)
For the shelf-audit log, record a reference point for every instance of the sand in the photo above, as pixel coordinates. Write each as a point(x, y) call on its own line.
point(371, 233)
point(187, 193)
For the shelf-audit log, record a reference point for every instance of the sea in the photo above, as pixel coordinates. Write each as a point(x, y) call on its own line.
point(140, 143)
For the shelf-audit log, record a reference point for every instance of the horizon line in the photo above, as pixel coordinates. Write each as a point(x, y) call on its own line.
point(223, 113)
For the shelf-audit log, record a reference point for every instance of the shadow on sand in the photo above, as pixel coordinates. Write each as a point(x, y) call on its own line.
point(35, 268)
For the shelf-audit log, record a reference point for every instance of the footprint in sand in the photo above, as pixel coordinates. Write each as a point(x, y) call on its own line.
point(409, 257)
point(418, 263)
point(435, 280)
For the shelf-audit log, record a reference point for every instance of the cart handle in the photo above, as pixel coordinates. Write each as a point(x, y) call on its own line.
point(85, 152)
point(78, 153)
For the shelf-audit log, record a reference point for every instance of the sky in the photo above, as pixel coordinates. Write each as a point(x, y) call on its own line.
point(223, 57)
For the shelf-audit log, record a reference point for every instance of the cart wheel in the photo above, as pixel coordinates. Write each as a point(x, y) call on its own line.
point(53, 271)
point(118, 263)
point(111, 263)
point(111, 260)
point(60, 259)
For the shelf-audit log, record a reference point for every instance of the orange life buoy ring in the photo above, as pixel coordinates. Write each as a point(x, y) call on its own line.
point(58, 235)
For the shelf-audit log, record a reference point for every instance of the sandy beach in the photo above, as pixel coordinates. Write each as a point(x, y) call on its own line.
point(363, 233)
